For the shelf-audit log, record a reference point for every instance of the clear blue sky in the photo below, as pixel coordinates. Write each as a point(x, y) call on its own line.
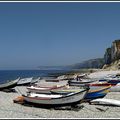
point(35, 34)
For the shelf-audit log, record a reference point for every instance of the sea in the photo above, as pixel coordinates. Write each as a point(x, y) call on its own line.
point(8, 75)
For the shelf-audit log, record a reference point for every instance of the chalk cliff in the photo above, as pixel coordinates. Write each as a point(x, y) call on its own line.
point(112, 56)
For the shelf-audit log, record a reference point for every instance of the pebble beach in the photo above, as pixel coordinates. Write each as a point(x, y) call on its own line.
point(9, 109)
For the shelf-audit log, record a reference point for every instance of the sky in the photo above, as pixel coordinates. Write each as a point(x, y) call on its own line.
point(51, 34)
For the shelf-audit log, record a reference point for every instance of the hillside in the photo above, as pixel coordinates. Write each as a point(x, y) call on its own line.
point(111, 60)
point(92, 63)
point(113, 66)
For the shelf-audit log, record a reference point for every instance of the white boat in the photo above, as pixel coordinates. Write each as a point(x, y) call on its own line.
point(65, 91)
point(81, 75)
point(9, 84)
point(43, 89)
point(24, 81)
point(62, 77)
point(106, 101)
point(35, 80)
point(80, 82)
point(45, 83)
point(55, 99)
point(111, 78)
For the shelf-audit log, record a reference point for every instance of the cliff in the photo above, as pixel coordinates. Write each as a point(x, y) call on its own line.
point(113, 66)
point(112, 56)
point(111, 60)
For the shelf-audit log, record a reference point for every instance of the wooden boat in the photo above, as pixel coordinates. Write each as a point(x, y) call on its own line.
point(65, 91)
point(44, 89)
point(46, 100)
point(79, 82)
point(99, 84)
point(114, 87)
point(62, 77)
point(97, 93)
point(111, 81)
point(52, 79)
point(24, 81)
point(71, 77)
point(43, 83)
point(33, 81)
point(106, 102)
point(10, 84)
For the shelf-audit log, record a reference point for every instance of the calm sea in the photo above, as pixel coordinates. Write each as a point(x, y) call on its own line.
point(6, 75)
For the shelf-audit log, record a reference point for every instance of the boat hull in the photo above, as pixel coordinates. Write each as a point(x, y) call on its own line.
point(106, 102)
point(9, 85)
point(44, 90)
point(99, 93)
point(24, 82)
point(60, 101)
point(114, 87)
point(79, 83)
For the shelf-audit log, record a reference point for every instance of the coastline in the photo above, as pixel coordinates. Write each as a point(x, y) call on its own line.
point(74, 71)
point(8, 109)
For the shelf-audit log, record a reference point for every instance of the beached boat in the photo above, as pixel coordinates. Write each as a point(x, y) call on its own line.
point(52, 79)
point(104, 101)
point(95, 93)
point(35, 80)
point(10, 84)
point(80, 82)
point(44, 83)
point(62, 77)
point(25, 81)
point(114, 79)
point(55, 99)
point(45, 89)
point(65, 91)
point(110, 80)
point(84, 75)
point(114, 87)
point(71, 77)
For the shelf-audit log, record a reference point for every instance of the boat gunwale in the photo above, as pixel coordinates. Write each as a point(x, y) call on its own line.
point(46, 88)
point(63, 96)
point(101, 89)
point(12, 82)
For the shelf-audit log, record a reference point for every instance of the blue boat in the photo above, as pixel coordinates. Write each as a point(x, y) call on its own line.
point(114, 82)
point(111, 81)
point(97, 93)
